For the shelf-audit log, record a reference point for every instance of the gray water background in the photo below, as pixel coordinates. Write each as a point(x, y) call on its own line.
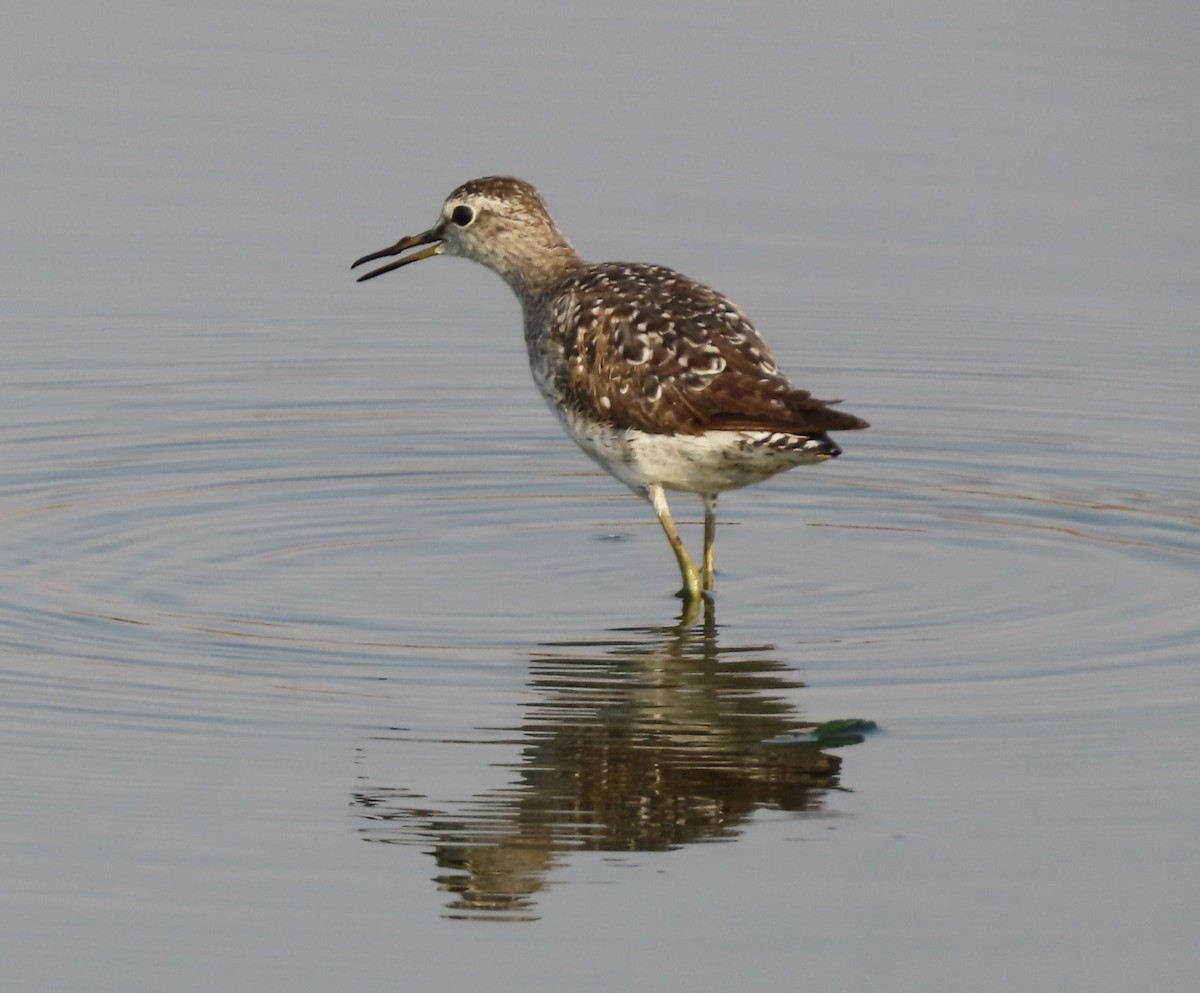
point(326, 662)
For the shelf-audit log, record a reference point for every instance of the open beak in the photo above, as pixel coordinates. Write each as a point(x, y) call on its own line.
point(432, 238)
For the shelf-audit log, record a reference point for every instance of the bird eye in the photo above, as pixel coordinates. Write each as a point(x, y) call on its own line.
point(462, 215)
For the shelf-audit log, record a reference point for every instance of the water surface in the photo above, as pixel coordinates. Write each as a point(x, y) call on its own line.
point(323, 652)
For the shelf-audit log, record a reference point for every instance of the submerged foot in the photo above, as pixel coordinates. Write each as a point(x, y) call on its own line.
point(696, 595)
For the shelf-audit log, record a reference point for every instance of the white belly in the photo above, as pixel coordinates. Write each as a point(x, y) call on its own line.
point(706, 463)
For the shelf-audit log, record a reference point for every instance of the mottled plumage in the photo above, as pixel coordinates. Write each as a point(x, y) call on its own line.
point(661, 380)
point(645, 347)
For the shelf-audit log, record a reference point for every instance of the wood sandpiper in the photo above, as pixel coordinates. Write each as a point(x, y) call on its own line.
point(662, 381)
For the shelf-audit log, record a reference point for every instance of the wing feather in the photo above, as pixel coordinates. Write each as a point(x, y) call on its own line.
point(649, 348)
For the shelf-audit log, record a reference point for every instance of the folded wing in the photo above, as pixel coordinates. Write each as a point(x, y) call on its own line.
point(648, 348)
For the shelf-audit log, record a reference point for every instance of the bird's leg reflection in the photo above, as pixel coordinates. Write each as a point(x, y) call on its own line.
point(640, 739)
point(690, 614)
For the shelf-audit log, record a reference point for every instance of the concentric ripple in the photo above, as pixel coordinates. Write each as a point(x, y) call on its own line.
point(167, 512)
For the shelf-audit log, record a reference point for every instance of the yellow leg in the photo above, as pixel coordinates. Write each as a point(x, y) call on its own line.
point(691, 578)
point(710, 536)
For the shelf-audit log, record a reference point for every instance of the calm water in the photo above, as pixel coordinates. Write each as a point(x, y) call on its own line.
point(326, 661)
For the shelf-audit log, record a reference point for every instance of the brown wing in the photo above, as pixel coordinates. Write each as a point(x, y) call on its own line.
point(649, 348)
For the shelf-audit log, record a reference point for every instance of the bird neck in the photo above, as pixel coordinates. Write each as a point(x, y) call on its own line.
point(532, 276)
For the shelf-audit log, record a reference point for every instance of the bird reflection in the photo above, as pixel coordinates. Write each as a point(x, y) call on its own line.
point(647, 739)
